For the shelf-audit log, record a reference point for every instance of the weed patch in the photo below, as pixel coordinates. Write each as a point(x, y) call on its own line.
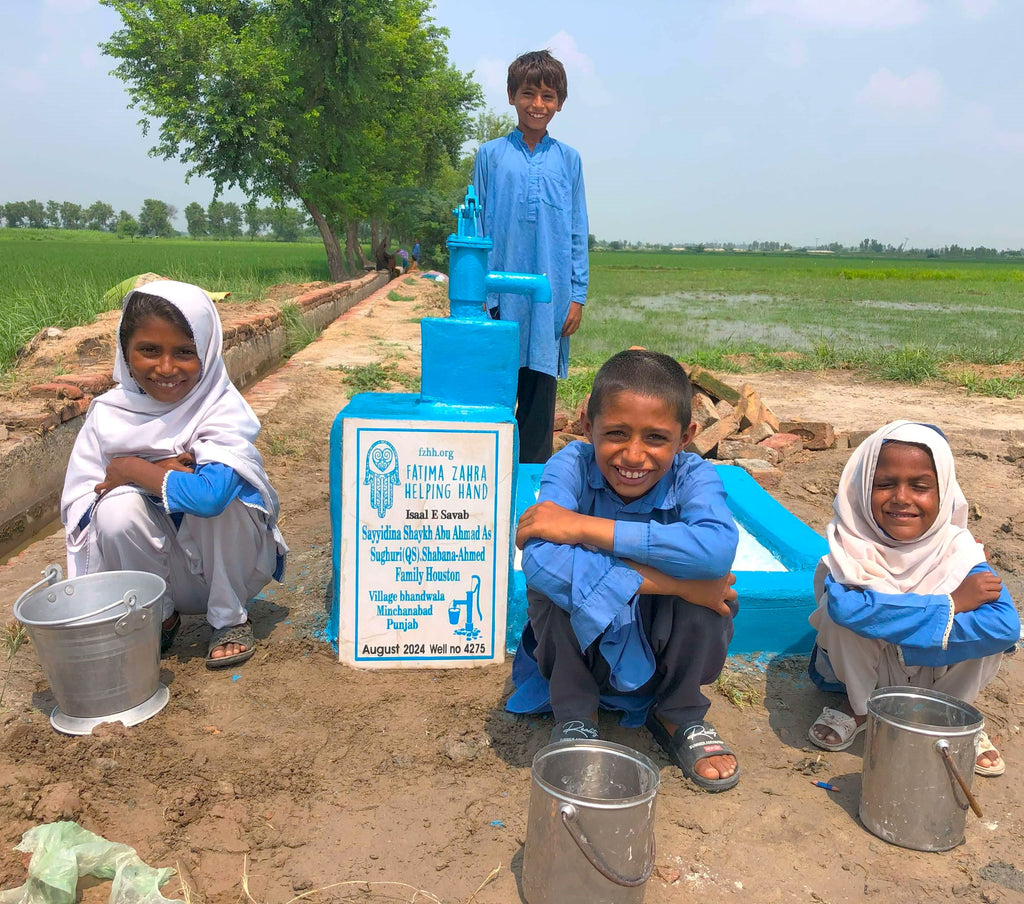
point(297, 334)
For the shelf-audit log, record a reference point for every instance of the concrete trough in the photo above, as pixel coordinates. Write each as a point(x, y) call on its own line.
point(774, 604)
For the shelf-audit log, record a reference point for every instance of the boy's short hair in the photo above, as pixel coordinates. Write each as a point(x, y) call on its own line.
point(645, 373)
point(535, 67)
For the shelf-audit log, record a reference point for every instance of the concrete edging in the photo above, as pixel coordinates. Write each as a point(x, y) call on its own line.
point(32, 471)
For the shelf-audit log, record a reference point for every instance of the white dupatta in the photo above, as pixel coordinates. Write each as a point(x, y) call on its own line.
point(213, 422)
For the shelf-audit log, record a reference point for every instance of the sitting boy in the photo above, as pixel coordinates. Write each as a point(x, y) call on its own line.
point(626, 557)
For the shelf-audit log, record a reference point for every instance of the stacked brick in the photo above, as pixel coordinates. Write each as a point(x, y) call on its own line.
point(736, 426)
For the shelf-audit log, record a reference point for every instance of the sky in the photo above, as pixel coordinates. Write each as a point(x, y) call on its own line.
point(801, 121)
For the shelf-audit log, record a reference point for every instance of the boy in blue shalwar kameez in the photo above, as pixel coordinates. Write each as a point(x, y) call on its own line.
point(534, 209)
point(626, 557)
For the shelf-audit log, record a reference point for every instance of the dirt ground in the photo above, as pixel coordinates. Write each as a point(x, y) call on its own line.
point(295, 776)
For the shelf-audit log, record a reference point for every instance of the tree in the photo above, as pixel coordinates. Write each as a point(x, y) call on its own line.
point(16, 212)
point(100, 216)
point(53, 214)
point(335, 102)
point(154, 219)
point(195, 217)
point(127, 225)
point(215, 218)
point(232, 220)
point(71, 215)
point(253, 217)
point(36, 214)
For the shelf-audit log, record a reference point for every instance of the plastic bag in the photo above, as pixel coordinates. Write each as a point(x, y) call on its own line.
point(64, 851)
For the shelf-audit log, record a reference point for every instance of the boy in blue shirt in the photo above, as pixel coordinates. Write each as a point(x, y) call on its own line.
point(626, 557)
point(534, 209)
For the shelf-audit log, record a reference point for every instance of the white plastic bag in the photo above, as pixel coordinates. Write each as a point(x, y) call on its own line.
point(64, 851)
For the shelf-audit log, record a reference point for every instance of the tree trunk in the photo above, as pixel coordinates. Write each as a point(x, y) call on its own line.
point(374, 232)
point(335, 265)
point(352, 245)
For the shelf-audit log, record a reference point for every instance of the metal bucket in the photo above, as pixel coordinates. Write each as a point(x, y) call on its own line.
point(590, 834)
point(98, 642)
point(918, 767)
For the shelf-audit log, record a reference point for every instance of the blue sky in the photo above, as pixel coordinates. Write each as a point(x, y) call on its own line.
point(805, 121)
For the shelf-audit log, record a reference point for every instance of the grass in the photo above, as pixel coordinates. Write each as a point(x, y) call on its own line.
point(394, 296)
point(11, 639)
point(297, 334)
point(380, 376)
point(906, 320)
point(51, 277)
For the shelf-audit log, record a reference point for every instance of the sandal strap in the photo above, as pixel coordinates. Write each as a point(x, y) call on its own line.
point(842, 724)
point(240, 634)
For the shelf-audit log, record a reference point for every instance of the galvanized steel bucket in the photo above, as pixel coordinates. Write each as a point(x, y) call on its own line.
point(918, 767)
point(98, 642)
point(590, 834)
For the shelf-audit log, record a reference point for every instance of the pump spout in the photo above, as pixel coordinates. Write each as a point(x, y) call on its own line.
point(534, 285)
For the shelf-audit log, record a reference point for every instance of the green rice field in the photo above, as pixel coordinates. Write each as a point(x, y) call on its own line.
point(902, 319)
point(52, 277)
point(897, 318)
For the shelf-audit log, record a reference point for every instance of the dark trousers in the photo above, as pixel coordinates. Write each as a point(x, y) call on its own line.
point(535, 414)
point(535, 411)
point(689, 643)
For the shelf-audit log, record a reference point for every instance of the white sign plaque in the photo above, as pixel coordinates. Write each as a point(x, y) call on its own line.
point(424, 543)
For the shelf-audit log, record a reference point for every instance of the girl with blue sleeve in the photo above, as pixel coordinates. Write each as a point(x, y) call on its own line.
point(905, 595)
point(164, 476)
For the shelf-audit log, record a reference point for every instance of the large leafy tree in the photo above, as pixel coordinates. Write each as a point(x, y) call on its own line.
point(335, 102)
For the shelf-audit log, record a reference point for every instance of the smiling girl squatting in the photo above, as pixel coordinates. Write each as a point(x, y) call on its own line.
point(905, 595)
point(164, 476)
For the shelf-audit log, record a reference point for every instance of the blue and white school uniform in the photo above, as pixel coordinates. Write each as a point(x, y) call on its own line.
point(212, 534)
point(885, 616)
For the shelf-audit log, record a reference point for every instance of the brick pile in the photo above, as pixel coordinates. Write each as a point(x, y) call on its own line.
point(736, 426)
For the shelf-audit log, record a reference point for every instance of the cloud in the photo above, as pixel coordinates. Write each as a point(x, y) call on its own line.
point(982, 128)
point(563, 46)
point(976, 9)
point(492, 73)
point(791, 54)
point(23, 82)
point(584, 82)
point(842, 13)
point(920, 91)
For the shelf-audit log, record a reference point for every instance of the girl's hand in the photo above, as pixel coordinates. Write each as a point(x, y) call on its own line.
point(975, 590)
point(184, 462)
point(134, 471)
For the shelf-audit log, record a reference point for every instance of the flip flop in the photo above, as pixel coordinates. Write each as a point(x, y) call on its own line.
point(690, 744)
point(575, 730)
point(241, 634)
point(843, 725)
point(983, 744)
point(167, 635)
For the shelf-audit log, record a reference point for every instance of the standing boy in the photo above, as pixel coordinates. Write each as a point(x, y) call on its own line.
point(531, 191)
point(627, 557)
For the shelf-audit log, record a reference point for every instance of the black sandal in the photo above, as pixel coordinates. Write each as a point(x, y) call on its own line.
point(690, 744)
point(240, 634)
point(168, 634)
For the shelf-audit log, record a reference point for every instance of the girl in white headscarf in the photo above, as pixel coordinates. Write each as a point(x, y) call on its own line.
point(164, 476)
point(905, 595)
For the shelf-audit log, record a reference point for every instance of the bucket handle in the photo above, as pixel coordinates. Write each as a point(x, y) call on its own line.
point(51, 575)
point(942, 745)
point(135, 618)
point(569, 816)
